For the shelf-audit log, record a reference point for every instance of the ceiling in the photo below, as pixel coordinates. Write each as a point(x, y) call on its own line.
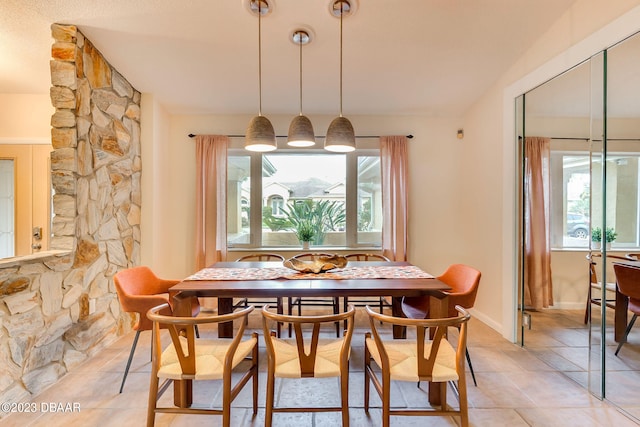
point(426, 57)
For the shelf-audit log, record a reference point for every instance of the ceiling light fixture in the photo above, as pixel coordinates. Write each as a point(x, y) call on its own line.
point(260, 135)
point(301, 130)
point(340, 135)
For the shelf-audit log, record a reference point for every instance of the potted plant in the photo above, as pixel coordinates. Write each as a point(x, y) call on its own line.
point(610, 236)
point(305, 232)
point(596, 237)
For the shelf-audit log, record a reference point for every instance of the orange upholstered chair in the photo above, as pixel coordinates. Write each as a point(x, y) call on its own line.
point(464, 281)
point(139, 290)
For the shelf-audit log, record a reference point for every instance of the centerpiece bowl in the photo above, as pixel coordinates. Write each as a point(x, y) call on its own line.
point(318, 265)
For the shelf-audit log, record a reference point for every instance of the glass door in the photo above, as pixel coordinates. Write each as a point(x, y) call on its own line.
point(621, 371)
point(598, 206)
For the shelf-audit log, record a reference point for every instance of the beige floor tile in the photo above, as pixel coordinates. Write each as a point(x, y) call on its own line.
point(543, 384)
point(575, 417)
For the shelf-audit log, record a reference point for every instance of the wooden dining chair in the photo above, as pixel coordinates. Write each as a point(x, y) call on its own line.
point(244, 302)
point(594, 291)
point(464, 281)
point(382, 301)
point(628, 279)
point(307, 355)
point(186, 358)
point(299, 302)
point(415, 360)
point(139, 289)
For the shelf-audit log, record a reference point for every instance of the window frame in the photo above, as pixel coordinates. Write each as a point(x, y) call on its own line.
point(351, 196)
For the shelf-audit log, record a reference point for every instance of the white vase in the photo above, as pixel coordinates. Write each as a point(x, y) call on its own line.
point(305, 246)
point(596, 245)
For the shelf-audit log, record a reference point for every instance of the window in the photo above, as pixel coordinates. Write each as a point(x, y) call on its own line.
point(572, 214)
point(339, 195)
point(7, 205)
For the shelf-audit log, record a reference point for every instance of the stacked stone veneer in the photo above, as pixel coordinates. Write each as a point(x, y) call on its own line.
point(57, 311)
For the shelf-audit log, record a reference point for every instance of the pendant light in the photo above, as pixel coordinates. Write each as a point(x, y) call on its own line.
point(340, 135)
point(301, 130)
point(260, 135)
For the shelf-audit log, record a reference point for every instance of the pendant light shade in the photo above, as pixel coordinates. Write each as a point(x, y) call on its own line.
point(340, 135)
point(301, 130)
point(260, 135)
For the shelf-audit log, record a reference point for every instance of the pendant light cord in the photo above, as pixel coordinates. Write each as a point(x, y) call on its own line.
point(259, 57)
point(300, 35)
point(341, 15)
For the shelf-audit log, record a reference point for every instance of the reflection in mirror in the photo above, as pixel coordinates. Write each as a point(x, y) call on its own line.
point(560, 111)
point(622, 371)
point(25, 199)
point(592, 115)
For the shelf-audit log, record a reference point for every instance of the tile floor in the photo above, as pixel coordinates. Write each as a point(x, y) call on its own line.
point(537, 386)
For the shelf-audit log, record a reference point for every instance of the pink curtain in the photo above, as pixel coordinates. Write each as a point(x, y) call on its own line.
point(538, 290)
point(394, 163)
point(211, 199)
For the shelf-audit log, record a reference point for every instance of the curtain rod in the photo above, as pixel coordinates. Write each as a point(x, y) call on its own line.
point(191, 135)
point(582, 138)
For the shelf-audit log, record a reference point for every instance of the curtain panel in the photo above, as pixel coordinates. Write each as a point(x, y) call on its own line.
point(211, 199)
point(394, 160)
point(538, 289)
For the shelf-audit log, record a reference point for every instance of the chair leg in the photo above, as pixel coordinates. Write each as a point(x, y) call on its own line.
point(290, 311)
point(133, 350)
point(153, 397)
point(256, 362)
point(463, 402)
point(344, 395)
point(345, 307)
point(386, 403)
point(587, 309)
point(279, 309)
point(626, 332)
point(268, 417)
point(473, 375)
point(336, 310)
point(367, 361)
point(197, 331)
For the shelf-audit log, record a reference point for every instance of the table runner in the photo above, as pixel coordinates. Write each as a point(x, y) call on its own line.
point(252, 273)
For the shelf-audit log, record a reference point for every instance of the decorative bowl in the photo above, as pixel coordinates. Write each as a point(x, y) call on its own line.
point(318, 265)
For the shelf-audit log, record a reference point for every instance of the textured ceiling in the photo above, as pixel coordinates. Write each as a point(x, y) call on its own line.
point(432, 57)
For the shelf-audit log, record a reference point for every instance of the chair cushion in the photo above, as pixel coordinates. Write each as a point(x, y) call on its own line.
point(327, 362)
point(404, 363)
point(209, 358)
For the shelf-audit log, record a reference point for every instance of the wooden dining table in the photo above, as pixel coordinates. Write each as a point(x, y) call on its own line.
point(259, 281)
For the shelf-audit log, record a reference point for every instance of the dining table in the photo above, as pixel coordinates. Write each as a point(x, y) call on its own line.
point(229, 280)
